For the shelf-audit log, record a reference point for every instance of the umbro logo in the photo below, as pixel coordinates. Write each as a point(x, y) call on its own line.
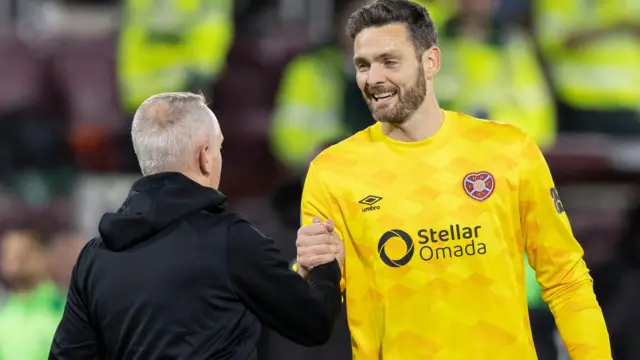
point(370, 200)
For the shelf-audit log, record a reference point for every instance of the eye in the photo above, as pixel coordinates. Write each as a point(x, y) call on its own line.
point(390, 63)
point(362, 67)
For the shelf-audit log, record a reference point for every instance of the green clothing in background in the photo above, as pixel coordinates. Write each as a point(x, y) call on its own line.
point(28, 322)
point(534, 290)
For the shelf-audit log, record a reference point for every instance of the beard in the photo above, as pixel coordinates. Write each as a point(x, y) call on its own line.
point(407, 103)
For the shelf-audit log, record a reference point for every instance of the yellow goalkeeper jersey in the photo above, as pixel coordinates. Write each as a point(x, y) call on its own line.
point(435, 235)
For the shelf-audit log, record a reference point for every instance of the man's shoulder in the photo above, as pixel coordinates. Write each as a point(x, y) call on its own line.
point(491, 131)
point(88, 255)
point(345, 152)
point(222, 219)
point(222, 223)
point(90, 247)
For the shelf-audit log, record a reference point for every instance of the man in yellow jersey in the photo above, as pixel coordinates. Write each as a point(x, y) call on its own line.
point(436, 210)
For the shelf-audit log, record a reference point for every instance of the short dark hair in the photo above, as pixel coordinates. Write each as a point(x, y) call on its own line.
point(39, 227)
point(385, 12)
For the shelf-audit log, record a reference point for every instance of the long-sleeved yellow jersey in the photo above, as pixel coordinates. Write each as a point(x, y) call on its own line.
point(435, 234)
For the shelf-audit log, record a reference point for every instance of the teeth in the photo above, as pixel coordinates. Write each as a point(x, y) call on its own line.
point(383, 95)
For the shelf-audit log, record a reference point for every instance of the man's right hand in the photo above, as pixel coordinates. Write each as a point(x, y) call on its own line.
point(318, 244)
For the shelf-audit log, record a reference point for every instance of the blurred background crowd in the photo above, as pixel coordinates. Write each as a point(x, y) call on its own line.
point(279, 76)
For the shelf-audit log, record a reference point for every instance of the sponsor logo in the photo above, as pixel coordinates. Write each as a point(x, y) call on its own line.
point(408, 242)
point(456, 241)
point(370, 201)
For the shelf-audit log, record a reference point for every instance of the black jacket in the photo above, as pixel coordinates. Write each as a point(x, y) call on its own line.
point(172, 276)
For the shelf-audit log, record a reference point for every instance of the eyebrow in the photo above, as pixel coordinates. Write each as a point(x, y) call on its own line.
point(379, 57)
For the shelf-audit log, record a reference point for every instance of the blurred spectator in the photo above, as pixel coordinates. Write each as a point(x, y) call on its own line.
point(593, 49)
point(441, 11)
point(63, 252)
point(318, 99)
point(490, 69)
point(34, 306)
point(172, 45)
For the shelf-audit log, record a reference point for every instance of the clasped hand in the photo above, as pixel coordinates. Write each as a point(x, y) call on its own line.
point(318, 244)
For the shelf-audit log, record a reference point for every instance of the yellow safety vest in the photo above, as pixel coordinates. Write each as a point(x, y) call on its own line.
point(309, 106)
point(167, 43)
point(604, 73)
point(441, 11)
point(499, 82)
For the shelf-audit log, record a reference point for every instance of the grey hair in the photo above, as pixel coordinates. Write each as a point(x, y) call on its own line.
point(167, 128)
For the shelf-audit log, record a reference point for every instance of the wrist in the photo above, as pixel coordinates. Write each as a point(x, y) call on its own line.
point(301, 270)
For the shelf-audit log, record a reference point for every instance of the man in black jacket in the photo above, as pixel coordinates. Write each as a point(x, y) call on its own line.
point(172, 276)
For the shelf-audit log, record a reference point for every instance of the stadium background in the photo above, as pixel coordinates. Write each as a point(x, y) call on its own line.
point(278, 77)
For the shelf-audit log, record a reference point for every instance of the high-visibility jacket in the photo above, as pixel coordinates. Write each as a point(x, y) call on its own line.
point(170, 44)
point(498, 80)
point(440, 11)
point(604, 73)
point(309, 105)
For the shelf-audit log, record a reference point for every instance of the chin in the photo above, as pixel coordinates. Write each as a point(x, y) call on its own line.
point(393, 121)
point(388, 117)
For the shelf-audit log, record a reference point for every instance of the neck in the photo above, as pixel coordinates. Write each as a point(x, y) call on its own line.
point(198, 178)
point(423, 124)
point(202, 179)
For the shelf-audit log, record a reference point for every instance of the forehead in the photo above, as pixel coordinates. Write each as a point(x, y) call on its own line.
point(388, 38)
point(17, 239)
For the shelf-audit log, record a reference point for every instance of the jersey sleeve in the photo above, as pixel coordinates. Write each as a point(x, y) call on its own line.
point(318, 201)
point(556, 256)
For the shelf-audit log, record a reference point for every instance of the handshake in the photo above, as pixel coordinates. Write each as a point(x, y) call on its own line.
point(318, 244)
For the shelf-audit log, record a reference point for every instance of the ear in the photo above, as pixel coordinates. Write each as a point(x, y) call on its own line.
point(431, 62)
point(203, 160)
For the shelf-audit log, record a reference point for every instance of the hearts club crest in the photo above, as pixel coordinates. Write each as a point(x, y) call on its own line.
point(479, 185)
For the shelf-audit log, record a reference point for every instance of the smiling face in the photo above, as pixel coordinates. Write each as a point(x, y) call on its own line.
point(390, 74)
point(396, 57)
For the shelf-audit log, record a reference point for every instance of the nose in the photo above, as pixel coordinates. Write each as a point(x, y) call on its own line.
point(376, 75)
